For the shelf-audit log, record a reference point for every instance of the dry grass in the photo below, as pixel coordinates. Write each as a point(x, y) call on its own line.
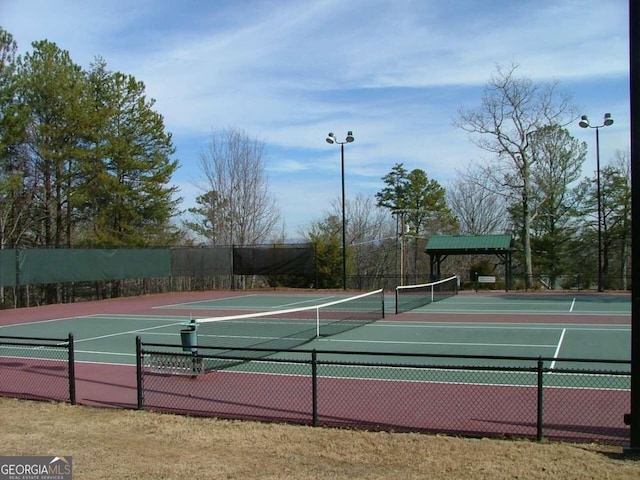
point(109, 443)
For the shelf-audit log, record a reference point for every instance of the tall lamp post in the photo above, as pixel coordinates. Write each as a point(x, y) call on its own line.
point(584, 123)
point(332, 139)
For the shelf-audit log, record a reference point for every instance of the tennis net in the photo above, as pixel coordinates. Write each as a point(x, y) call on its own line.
point(281, 330)
point(409, 297)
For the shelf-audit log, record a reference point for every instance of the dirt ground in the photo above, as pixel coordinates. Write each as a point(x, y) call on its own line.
point(125, 444)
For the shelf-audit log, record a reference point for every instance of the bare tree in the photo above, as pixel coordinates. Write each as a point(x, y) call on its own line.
point(371, 238)
point(617, 214)
point(513, 108)
point(233, 167)
point(371, 242)
point(478, 208)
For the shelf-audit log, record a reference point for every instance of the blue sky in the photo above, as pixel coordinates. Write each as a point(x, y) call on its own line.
point(394, 72)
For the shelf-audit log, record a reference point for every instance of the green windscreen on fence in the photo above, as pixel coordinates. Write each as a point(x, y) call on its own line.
point(87, 265)
point(7, 268)
point(65, 265)
point(274, 260)
point(189, 262)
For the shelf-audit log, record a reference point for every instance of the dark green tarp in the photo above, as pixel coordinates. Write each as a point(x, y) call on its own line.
point(273, 260)
point(83, 265)
point(7, 268)
point(200, 262)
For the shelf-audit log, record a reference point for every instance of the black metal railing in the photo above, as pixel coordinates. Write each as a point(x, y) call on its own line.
point(38, 368)
point(528, 397)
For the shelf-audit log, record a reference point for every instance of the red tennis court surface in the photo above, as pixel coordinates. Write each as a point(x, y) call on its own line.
point(461, 409)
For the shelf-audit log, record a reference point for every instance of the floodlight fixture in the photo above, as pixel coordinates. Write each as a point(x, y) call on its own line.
point(608, 120)
point(584, 121)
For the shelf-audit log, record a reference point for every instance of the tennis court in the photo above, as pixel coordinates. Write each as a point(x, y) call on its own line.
point(585, 326)
point(446, 341)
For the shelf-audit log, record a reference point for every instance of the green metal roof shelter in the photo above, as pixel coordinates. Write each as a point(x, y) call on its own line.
point(440, 247)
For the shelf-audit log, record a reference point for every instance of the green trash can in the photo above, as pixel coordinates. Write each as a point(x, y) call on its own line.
point(189, 337)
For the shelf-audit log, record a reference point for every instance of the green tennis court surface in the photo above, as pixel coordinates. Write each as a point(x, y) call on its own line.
point(505, 303)
point(536, 304)
point(111, 338)
point(259, 302)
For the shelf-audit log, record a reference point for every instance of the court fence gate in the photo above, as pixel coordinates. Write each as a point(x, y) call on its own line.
point(49, 376)
point(475, 396)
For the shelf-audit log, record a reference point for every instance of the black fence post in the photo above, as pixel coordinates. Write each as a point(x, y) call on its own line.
point(139, 372)
point(314, 387)
point(540, 420)
point(72, 370)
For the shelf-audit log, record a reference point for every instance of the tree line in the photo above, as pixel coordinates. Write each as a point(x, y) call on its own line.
point(85, 157)
point(85, 160)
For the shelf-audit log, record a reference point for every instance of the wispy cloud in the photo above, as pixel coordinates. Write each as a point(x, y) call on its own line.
point(288, 72)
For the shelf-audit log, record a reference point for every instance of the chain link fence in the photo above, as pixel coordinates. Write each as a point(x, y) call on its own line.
point(37, 368)
point(471, 396)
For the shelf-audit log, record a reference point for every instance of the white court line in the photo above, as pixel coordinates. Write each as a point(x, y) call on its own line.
point(93, 316)
point(555, 354)
point(573, 303)
point(129, 332)
point(475, 311)
point(457, 344)
point(117, 364)
point(165, 334)
point(433, 382)
point(181, 305)
point(502, 326)
point(399, 325)
point(312, 301)
point(152, 318)
point(49, 320)
point(95, 352)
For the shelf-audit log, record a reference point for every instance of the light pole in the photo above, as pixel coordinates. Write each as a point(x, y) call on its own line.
point(332, 139)
point(584, 123)
point(403, 243)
